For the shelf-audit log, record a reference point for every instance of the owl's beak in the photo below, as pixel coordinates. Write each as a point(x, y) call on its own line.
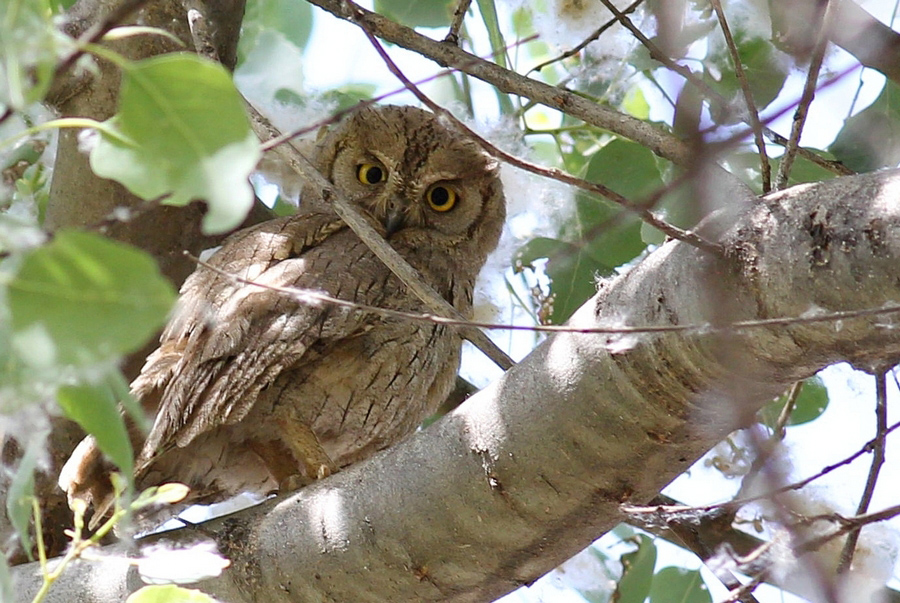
point(394, 219)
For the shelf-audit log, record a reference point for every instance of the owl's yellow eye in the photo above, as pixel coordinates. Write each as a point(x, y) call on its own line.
point(441, 198)
point(370, 173)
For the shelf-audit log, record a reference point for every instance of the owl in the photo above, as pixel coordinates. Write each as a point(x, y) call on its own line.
point(256, 390)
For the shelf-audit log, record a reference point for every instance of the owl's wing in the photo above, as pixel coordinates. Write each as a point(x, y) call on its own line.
point(229, 339)
point(226, 340)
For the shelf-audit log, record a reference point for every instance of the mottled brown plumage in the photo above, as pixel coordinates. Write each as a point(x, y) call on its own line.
point(255, 389)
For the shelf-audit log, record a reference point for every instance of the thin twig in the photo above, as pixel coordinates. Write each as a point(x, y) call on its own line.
point(849, 524)
point(829, 164)
point(765, 168)
point(311, 295)
point(456, 24)
point(387, 254)
point(740, 593)
point(806, 98)
point(780, 428)
point(768, 448)
point(877, 461)
point(594, 36)
point(645, 214)
point(867, 448)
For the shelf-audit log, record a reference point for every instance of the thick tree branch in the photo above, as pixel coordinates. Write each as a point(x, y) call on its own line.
point(532, 469)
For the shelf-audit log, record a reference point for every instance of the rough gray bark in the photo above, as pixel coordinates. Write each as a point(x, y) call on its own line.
point(532, 469)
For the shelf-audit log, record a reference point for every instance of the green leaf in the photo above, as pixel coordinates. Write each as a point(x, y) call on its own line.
point(627, 168)
point(811, 403)
point(638, 572)
point(168, 593)
point(94, 298)
point(19, 497)
point(871, 139)
point(94, 408)
point(612, 237)
point(635, 103)
point(600, 237)
point(181, 131)
point(417, 13)
point(679, 585)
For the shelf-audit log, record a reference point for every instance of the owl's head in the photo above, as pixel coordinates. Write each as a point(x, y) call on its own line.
point(420, 181)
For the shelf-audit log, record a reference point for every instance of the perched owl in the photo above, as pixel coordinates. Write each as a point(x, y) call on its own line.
point(255, 389)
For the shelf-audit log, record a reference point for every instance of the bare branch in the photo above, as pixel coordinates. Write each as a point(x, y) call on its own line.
point(874, 469)
point(831, 165)
point(459, 14)
point(281, 139)
point(849, 524)
point(657, 54)
point(867, 448)
point(204, 45)
point(806, 98)
point(765, 168)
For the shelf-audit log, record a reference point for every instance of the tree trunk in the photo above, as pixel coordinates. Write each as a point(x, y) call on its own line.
point(80, 199)
point(529, 471)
